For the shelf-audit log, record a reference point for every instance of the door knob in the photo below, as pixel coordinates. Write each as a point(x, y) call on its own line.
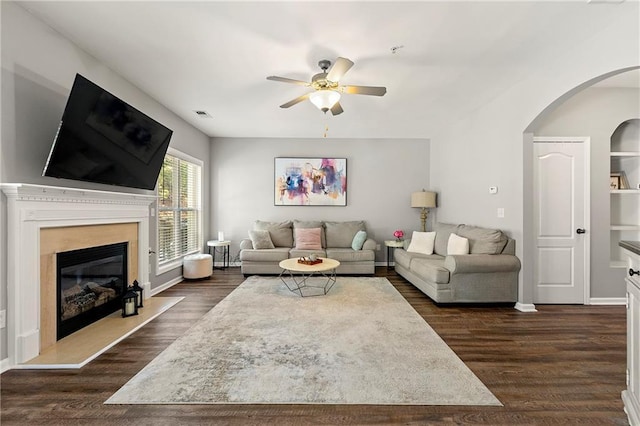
point(580, 231)
point(632, 272)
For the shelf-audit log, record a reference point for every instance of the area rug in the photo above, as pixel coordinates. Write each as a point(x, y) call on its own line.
point(362, 343)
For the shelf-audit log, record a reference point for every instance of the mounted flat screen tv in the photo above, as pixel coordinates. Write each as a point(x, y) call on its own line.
point(103, 139)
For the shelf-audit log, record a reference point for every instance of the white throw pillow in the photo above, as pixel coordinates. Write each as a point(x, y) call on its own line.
point(457, 245)
point(422, 242)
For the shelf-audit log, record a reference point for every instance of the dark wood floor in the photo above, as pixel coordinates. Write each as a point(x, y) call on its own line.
point(561, 365)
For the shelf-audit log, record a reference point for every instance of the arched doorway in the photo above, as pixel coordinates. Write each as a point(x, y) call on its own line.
point(600, 160)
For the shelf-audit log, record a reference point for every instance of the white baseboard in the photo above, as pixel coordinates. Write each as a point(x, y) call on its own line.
point(5, 365)
point(608, 301)
point(525, 307)
point(166, 285)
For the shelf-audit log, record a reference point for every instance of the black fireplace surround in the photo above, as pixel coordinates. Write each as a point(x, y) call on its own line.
point(90, 285)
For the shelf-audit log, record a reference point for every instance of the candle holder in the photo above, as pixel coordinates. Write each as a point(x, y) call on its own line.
point(129, 303)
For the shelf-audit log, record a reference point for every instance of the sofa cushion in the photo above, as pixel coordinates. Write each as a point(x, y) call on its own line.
point(483, 240)
point(422, 242)
point(295, 253)
point(443, 230)
point(308, 238)
point(350, 255)
point(266, 255)
point(404, 258)
point(281, 232)
point(358, 240)
point(340, 234)
point(261, 239)
point(312, 224)
point(431, 270)
point(457, 245)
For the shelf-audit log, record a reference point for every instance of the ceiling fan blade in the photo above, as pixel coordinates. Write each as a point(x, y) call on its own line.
point(336, 109)
point(339, 68)
point(295, 101)
point(364, 90)
point(287, 80)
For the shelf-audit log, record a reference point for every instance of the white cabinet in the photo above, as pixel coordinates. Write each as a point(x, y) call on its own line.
point(624, 188)
point(631, 396)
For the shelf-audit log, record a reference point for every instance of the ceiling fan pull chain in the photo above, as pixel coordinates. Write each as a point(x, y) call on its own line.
point(326, 125)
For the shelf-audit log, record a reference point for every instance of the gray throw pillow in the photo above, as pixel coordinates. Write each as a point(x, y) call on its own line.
point(340, 234)
point(443, 231)
point(261, 239)
point(281, 232)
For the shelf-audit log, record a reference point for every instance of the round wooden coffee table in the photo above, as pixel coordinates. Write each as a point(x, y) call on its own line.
point(298, 276)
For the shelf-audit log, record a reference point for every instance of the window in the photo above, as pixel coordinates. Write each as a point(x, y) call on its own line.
point(179, 209)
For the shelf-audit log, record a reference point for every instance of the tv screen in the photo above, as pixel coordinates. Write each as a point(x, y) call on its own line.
point(103, 139)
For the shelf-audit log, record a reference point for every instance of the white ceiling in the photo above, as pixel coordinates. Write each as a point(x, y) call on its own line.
point(215, 56)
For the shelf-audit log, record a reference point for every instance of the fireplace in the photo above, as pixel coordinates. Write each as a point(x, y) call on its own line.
point(90, 285)
point(43, 221)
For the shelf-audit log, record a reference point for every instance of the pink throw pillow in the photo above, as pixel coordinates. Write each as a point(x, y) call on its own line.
point(308, 239)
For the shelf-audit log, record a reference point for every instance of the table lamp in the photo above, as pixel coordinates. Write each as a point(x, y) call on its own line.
point(424, 200)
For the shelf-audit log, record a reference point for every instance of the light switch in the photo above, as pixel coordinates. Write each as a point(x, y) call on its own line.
point(500, 211)
point(493, 190)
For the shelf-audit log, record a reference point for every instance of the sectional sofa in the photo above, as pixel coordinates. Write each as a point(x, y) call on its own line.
point(271, 242)
point(487, 272)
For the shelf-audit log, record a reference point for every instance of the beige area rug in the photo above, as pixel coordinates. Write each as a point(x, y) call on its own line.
point(360, 344)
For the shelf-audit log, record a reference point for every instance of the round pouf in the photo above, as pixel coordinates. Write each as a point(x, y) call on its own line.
point(197, 266)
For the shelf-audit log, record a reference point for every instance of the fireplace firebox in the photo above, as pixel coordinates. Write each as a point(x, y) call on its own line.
point(90, 285)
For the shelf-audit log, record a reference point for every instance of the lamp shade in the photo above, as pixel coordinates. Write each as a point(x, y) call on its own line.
point(324, 99)
point(423, 199)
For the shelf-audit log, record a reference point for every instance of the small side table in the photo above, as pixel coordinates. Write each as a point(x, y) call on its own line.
point(213, 245)
point(392, 245)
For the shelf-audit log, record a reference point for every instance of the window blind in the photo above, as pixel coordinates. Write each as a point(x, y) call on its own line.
point(179, 209)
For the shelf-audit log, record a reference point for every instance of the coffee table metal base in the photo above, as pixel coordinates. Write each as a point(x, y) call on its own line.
point(301, 283)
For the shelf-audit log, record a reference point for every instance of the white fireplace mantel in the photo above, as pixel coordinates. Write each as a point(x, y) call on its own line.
point(33, 207)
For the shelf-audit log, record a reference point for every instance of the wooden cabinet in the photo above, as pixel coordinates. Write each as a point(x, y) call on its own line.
point(631, 396)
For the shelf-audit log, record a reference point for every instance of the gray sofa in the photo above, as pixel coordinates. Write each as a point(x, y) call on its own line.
point(488, 274)
point(337, 239)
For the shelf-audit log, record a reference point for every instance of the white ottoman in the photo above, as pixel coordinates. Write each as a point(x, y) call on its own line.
point(197, 266)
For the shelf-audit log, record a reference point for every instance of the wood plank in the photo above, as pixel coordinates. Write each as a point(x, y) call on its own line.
point(76, 349)
point(564, 364)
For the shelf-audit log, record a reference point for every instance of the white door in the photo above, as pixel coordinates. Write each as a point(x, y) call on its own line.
point(561, 213)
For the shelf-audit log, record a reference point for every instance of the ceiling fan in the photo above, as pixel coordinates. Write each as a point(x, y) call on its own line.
point(327, 89)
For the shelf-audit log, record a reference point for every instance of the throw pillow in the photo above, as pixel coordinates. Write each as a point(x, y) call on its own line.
point(281, 232)
point(340, 234)
point(457, 245)
point(308, 239)
point(261, 239)
point(358, 240)
point(312, 224)
point(422, 242)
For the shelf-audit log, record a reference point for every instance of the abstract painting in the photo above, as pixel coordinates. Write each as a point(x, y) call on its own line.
point(310, 181)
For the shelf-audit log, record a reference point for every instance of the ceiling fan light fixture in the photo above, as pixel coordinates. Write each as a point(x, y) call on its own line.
point(324, 99)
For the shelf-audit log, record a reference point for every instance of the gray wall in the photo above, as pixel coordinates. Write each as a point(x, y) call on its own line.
point(381, 175)
point(487, 148)
point(596, 112)
point(38, 68)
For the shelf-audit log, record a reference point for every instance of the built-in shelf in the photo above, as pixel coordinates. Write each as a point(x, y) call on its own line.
point(625, 191)
point(625, 154)
point(624, 203)
point(625, 227)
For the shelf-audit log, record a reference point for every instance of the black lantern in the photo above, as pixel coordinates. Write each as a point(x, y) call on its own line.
point(136, 287)
point(129, 303)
